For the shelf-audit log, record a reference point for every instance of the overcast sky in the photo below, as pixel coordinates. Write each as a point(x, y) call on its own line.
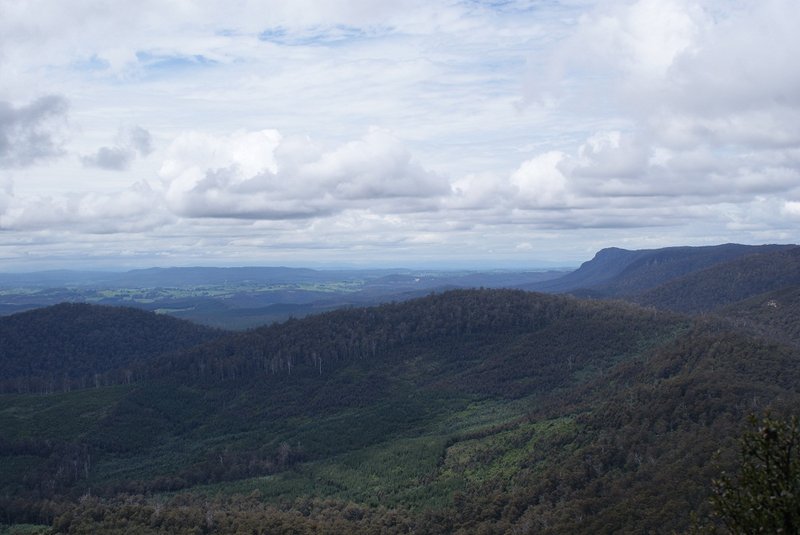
point(393, 133)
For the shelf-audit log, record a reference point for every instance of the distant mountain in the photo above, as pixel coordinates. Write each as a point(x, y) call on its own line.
point(727, 282)
point(73, 345)
point(212, 276)
point(615, 272)
point(605, 266)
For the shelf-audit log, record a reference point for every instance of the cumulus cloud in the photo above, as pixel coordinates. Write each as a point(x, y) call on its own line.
point(132, 142)
point(261, 175)
point(540, 183)
point(705, 102)
point(480, 191)
point(613, 166)
point(611, 154)
point(31, 133)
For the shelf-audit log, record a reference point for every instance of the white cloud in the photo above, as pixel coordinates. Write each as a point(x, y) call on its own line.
point(540, 182)
point(640, 40)
point(705, 95)
point(258, 175)
point(611, 155)
point(481, 191)
point(791, 209)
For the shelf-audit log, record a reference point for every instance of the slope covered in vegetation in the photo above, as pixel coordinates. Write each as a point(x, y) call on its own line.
point(773, 315)
point(728, 282)
point(471, 411)
point(75, 345)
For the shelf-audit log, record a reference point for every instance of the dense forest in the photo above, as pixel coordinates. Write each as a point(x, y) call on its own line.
point(75, 345)
point(468, 411)
point(727, 283)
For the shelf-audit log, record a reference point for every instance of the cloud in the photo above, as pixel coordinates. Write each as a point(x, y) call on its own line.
point(671, 120)
point(29, 134)
point(261, 175)
point(131, 142)
point(704, 98)
point(540, 183)
point(137, 208)
point(140, 140)
point(112, 158)
point(791, 209)
point(480, 191)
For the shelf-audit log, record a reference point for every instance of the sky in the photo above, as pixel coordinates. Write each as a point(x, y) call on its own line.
point(459, 133)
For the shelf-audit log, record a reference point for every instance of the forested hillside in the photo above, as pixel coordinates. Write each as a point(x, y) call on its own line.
point(728, 282)
point(75, 345)
point(771, 314)
point(554, 327)
point(472, 411)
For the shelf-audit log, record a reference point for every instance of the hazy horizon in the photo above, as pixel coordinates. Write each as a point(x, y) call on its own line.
point(114, 267)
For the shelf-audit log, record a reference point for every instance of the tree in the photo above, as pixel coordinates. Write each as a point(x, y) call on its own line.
point(764, 497)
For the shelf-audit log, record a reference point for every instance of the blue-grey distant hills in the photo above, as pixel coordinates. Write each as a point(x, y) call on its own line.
point(183, 277)
point(243, 297)
point(682, 279)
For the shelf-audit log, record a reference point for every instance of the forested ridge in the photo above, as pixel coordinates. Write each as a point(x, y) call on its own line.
point(440, 321)
point(75, 345)
point(470, 411)
point(771, 314)
point(728, 282)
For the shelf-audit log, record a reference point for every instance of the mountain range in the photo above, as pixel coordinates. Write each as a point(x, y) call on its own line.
point(609, 410)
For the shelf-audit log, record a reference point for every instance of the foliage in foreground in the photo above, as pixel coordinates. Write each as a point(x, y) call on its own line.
point(764, 495)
